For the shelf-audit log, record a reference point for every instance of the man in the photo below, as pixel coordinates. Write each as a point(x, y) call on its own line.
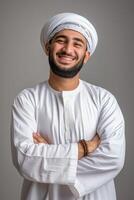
point(67, 135)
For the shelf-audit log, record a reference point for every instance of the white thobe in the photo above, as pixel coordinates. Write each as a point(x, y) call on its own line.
point(52, 171)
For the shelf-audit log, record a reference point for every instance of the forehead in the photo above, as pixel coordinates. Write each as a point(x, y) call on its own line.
point(70, 34)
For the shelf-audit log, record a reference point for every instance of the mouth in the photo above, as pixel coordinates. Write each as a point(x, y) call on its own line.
point(66, 59)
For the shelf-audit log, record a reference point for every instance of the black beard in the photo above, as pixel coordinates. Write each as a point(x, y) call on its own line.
point(63, 72)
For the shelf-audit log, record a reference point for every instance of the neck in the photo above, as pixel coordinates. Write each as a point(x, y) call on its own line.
point(63, 84)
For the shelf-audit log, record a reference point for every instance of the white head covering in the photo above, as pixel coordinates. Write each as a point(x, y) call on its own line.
point(70, 21)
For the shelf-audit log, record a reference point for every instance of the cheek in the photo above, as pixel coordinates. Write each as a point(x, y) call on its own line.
point(81, 55)
point(84, 56)
point(57, 47)
point(52, 51)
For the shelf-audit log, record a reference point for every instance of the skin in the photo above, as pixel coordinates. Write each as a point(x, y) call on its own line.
point(67, 47)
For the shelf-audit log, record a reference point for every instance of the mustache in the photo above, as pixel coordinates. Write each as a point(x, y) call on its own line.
point(64, 53)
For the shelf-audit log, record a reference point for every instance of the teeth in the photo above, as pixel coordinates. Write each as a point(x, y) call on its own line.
point(67, 58)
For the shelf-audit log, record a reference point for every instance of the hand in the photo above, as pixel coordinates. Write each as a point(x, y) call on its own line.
point(93, 144)
point(37, 138)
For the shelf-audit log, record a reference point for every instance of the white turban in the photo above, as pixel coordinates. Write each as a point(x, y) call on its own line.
point(70, 21)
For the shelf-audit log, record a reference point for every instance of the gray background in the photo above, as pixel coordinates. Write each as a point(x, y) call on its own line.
point(23, 64)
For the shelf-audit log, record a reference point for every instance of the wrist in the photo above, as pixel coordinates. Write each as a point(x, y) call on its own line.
point(89, 145)
point(80, 151)
point(85, 146)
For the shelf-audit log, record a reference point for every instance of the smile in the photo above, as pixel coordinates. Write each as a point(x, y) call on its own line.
point(66, 59)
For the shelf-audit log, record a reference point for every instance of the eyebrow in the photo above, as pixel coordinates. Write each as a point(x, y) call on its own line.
point(65, 37)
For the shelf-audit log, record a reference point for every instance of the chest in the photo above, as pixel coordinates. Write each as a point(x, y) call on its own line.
point(65, 119)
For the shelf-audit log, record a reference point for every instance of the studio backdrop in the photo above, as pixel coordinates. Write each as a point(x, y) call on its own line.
point(24, 64)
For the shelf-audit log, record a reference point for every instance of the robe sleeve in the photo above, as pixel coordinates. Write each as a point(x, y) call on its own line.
point(42, 163)
point(107, 160)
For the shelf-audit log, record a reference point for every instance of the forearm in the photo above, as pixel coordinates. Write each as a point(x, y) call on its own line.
point(53, 160)
point(101, 166)
point(43, 163)
point(91, 146)
point(47, 163)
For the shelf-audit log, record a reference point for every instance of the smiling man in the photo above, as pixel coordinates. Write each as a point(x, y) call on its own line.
point(68, 50)
point(67, 135)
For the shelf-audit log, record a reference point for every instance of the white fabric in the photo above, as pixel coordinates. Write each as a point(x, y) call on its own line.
point(70, 21)
point(53, 172)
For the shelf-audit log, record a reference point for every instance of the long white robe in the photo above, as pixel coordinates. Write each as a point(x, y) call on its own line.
point(53, 171)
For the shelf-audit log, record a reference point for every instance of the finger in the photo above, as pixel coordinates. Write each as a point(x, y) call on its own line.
point(39, 138)
point(35, 141)
point(36, 134)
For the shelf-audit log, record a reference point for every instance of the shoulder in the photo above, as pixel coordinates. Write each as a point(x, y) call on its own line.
point(30, 95)
point(98, 93)
point(106, 102)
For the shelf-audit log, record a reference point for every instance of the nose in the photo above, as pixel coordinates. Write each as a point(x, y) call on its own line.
point(68, 48)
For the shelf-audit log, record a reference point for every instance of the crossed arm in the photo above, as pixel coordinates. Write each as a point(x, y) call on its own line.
point(91, 144)
point(49, 162)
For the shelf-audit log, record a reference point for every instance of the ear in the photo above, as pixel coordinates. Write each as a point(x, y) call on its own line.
point(46, 48)
point(87, 56)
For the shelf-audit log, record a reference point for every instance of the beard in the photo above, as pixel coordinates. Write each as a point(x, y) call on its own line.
point(64, 72)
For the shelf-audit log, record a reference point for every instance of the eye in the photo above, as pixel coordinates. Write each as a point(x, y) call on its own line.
point(78, 44)
point(60, 41)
